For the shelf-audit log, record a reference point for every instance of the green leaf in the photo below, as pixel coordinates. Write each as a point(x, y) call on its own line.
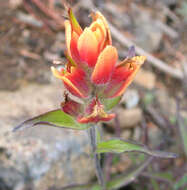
point(183, 131)
point(111, 102)
point(75, 25)
point(120, 146)
point(181, 183)
point(165, 175)
point(55, 118)
point(83, 187)
point(155, 184)
point(98, 135)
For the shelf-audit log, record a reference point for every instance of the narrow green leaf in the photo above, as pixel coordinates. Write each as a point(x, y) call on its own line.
point(56, 118)
point(181, 183)
point(111, 102)
point(71, 61)
point(164, 175)
point(120, 146)
point(98, 135)
point(75, 25)
point(183, 130)
point(155, 184)
point(83, 187)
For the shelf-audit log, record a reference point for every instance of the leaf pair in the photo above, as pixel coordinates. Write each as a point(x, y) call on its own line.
point(57, 118)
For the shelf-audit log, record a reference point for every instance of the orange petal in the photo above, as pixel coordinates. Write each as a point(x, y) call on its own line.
point(78, 78)
point(73, 47)
point(88, 47)
point(98, 15)
point(98, 24)
point(75, 25)
point(99, 31)
point(74, 82)
point(105, 65)
point(96, 119)
point(68, 35)
point(123, 76)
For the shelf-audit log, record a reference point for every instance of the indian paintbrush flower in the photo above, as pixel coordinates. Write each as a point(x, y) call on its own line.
point(93, 72)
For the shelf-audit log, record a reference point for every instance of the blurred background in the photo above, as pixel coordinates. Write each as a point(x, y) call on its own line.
point(153, 110)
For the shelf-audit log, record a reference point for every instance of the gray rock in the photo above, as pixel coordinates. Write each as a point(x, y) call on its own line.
point(155, 135)
point(131, 98)
point(166, 102)
point(147, 33)
point(43, 156)
point(146, 79)
point(128, 118)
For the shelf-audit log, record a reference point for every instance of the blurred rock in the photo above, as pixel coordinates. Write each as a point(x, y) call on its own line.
point(39, 157)
point(130, 98)
point(15, 3)
point(127, 118)
point(145, 79)
point(124, 163)
point(166, 102)
point(147, 33)
point(155, 135)
point(126, 134)
point(137, 134)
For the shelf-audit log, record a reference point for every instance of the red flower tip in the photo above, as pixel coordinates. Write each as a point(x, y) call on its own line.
point(70, 106)
point(122, 76)
point(74, 81)
point(96, 113)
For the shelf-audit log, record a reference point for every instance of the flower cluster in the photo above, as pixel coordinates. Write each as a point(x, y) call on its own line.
point(93, 72)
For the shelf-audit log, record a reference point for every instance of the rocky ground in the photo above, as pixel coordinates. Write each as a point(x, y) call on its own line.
point(39, 157)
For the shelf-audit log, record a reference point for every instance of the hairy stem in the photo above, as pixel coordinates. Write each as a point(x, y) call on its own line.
point(99, 172)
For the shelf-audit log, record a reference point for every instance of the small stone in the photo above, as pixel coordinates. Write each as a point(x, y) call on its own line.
point(124, 164)
point(126, 134)
point(137, 134)
point(15, 3)
point(152, 34)
point(155, 135)
point(131, 98)
point(145, 79)
point(128, 118)
point(166, 102)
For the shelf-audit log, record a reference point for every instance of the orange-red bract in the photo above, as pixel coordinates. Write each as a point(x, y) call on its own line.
point(93, 71)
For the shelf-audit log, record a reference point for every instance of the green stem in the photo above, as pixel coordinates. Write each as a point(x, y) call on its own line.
point(99, 172)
